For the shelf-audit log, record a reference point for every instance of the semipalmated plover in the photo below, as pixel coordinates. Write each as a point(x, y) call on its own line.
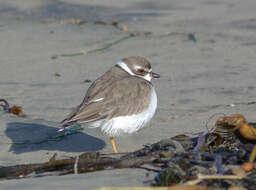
point(121, 101)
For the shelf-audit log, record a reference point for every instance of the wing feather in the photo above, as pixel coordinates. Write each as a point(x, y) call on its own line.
point(118, 99)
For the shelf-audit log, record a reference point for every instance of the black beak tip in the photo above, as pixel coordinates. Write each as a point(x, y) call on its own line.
point(155, 75)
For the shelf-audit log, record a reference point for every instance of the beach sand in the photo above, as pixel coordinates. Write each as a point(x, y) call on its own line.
point(204, 50)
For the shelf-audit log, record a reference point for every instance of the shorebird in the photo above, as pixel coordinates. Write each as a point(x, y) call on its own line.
point(121, 101)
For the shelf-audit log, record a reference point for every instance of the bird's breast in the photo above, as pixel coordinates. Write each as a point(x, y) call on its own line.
point(129, 124)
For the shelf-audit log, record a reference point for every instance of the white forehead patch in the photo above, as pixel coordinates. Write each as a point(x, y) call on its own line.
point(125, 67)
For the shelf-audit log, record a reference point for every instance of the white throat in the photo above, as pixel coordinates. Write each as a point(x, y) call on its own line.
point(128, 70)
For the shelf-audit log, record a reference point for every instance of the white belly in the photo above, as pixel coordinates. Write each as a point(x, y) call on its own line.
point(129, 124)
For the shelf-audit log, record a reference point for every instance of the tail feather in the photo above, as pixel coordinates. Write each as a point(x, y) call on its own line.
point(65, 125)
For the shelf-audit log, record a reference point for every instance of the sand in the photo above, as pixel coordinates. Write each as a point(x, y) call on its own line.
point(214, 74)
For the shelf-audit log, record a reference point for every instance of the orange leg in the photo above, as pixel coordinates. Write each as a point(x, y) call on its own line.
point(113, 144)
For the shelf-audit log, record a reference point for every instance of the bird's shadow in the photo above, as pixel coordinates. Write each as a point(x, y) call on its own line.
point(29, 137)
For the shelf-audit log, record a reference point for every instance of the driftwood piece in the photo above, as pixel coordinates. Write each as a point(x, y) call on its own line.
point(95, 161)
point(52, 165)
point(87, 162)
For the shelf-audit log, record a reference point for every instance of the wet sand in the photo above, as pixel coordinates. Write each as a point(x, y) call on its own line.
point(214, 74)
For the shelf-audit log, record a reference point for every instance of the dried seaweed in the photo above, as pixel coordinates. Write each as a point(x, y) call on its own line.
point(16, 110)
point(185, 160)
point(105, 47)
